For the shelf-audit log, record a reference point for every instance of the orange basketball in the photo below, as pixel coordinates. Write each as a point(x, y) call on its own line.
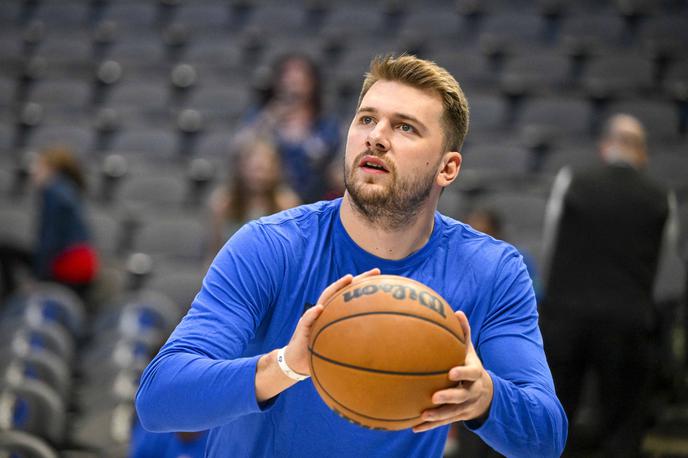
point(381, 348)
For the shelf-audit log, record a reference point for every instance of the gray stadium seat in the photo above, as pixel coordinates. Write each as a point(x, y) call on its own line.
point(42, 366)
point(216, 144)
point(65, 94)
point(617, 75)
point(63, 14)
point(591, 33)
point(535, 73)
point(146, 142)
point(665, 35)
point(659, 117)
point(171, 238)
point(508, 33)
point(434, 23)
point(45, 337)
point(488, 114)
point(201, 17)
point(153, 190)
point(106, 233)
point(470, 68)
point(495, 159)
point(45, 411)
point(179, 281)
point(17, 225)
point(78, 138)
point(139, 96)
point(547, 121)
point(131, 15)
point(219, 101)
point(670, 169)
point(280, 19)
point(25, 444)
point(522, 213)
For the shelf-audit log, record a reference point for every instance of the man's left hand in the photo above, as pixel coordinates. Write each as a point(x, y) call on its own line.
point(472, 396)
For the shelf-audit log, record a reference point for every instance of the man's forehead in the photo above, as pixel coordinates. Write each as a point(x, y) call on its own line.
point(397, 97)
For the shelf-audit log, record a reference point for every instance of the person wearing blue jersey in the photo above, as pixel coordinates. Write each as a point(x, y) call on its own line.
point(237, 363)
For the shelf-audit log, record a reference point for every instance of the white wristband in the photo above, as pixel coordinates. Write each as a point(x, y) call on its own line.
point(282, 361)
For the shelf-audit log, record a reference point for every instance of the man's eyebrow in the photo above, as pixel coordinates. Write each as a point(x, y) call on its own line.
point(402, 116)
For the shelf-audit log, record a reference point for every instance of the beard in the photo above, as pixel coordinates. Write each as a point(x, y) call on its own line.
point(394, 206)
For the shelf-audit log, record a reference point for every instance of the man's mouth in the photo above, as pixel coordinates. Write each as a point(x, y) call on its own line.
point(373, 164)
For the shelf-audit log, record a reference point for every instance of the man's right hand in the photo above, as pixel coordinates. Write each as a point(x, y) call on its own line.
point(270, 380)
point(296, 353)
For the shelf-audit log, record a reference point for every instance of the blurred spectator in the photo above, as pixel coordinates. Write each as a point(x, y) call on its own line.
point(605, 228)
point(489, 221)
point(255, 189)
point(308, 140)
point(145, 444)
point(63, 252)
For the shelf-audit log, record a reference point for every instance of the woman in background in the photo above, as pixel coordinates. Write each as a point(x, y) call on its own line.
point(64, 252)
point(290, 110)
point(255, 188)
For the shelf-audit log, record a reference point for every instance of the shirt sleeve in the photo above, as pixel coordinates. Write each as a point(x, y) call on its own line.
point(525, 418)
point(199, 379)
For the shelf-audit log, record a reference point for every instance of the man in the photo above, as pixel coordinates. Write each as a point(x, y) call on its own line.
point(605, 227)
point(220, 368)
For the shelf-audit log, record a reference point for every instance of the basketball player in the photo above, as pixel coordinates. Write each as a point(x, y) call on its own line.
point(220, 370)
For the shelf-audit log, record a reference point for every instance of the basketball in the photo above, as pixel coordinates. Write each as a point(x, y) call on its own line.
point(381, 348)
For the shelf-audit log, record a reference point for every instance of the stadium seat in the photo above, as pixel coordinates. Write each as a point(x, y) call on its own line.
point(64, 14)
point(172, 238)
point(42, 366)
point(540, 73)
point(508, 33)
point(659, 117)
point(17, 225)
point(590, 34)
point(46, 337)
point(140, 96)
point(546, 122)
point(65, 94)
point(77, 137)
point(25, 445)
point(617, 76)
point(178, 281)
point(131, 15)
point(47, 303)
point(522, 213)
point(32, 406)
point(665, 36)
point(219, 101)
point(147, 143)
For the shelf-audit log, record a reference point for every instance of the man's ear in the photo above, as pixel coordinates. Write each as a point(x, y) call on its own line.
point(449, 168)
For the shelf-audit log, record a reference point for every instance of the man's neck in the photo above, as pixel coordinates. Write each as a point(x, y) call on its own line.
point(382, 242)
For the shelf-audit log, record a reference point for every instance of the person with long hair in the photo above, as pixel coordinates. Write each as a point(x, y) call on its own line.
point(64, 252)
point(255, 188)
point(290, 110)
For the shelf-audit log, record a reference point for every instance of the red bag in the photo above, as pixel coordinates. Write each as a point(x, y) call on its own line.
point(76, 265)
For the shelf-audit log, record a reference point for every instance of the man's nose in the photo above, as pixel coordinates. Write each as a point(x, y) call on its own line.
point(378, 139)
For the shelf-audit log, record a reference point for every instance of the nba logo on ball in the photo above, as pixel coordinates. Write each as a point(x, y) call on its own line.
point(381, 348)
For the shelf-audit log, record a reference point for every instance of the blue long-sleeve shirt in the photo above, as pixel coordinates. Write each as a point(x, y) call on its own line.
point(255, 292)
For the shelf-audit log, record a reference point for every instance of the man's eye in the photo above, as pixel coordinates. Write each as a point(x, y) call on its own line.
point(366, 120)
point(406, 127)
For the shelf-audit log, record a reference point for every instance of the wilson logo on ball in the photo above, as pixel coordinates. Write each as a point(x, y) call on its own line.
point(399, 292)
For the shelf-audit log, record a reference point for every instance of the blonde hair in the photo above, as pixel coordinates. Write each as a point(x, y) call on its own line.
point(426, 75)
point(64, 162)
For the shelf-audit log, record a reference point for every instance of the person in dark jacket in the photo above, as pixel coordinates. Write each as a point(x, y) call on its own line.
point(605, 229)
point(63, 251)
